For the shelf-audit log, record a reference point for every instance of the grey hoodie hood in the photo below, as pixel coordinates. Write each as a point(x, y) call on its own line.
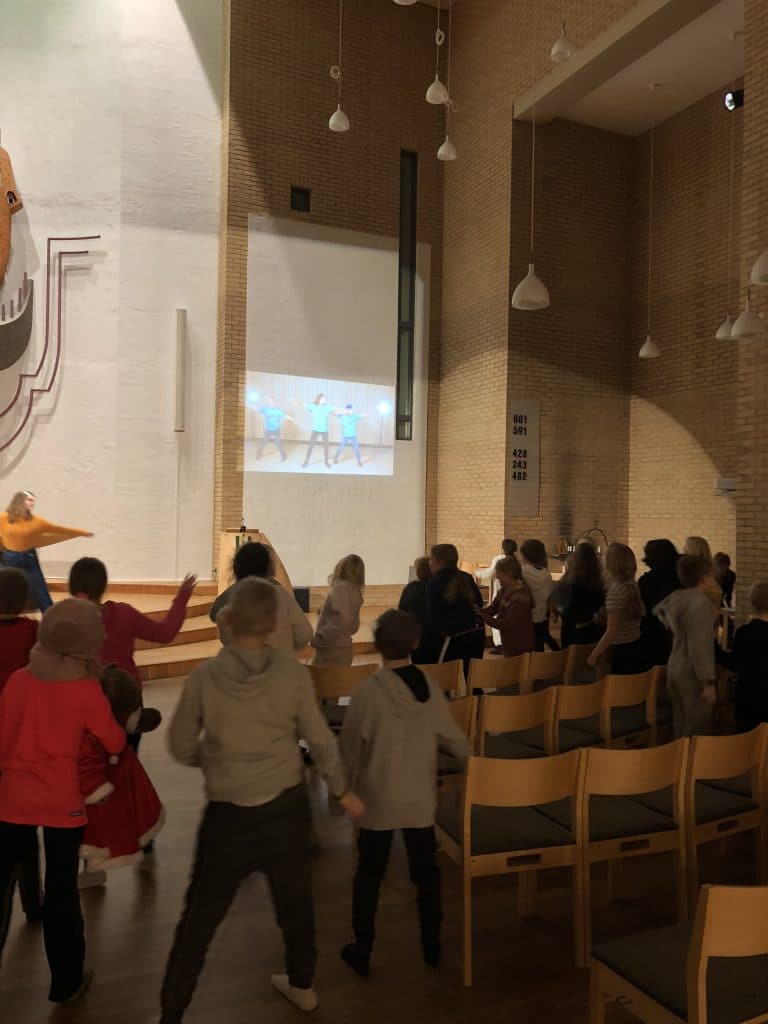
point(242, 673)
point(675, 608)
point(402, 702)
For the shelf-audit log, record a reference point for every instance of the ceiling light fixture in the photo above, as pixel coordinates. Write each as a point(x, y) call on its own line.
point(531, 293)
point(562, 49)
point(338, 122)
point(734, 99)
point(437, 94)
point(406, 3)
point(759, 275)
point(650, 350)
point(447, 152)
point(749, 324)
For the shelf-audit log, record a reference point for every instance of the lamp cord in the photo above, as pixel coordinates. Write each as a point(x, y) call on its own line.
point(533, 172)
point(437, 42)
point(341, 21)
point(730, 213)
point(448, 72)
point(650, 222)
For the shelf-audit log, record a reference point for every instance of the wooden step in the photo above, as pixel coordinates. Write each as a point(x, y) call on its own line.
point(209, 588)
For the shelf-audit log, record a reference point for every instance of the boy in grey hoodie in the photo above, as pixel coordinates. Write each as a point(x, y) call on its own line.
point(393, 728)
point(691, 671)
point(239, 718)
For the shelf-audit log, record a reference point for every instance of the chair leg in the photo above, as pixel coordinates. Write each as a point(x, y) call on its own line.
point(587, 911)
point(578, 915)
point(761, 838)
point(466, 944)
point(526, 893)
point(597, 998)
point(692, 873)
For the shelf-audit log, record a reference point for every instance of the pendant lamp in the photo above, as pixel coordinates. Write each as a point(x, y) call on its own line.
point(650, 350)
point(749, 324)
point(437, 94)
point(406, 3)
point(447, 152)
point(759, 276)
point(338, 121)
point(531, 293)
point(563, 49)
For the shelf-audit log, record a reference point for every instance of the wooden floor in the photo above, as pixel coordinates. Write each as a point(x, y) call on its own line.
point(523, 968)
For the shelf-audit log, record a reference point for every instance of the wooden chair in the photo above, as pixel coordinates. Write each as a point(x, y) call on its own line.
point(546, 667)
point(334, 683)
point(516, 727)
point(577, 716)
point(496, 673)
point(665, 976)
point(725, 793)
point(618, 825)
point(499, 831)
point(629, 712)
point(450, 774)
point(448, 675)
point(576, 668)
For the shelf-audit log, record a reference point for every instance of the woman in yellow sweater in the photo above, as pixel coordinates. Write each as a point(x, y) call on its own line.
point(21, 533)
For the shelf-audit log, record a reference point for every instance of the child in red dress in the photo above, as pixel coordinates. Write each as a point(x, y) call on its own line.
point(18, 634)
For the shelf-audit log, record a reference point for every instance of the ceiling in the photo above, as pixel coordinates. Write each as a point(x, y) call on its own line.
point(692, 63)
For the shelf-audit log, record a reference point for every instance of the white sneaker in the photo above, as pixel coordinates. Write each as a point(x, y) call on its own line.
point(91, 879)
point(303, 998)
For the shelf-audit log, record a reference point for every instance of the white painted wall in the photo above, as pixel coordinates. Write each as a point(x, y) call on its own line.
point(324, 301)
point(111, 115)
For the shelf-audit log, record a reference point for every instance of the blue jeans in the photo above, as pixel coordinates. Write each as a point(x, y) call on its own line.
point(347, 441)
point(29, 564)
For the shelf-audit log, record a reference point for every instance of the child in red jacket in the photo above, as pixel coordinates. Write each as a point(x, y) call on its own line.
point(45, 711)
point(17, 633)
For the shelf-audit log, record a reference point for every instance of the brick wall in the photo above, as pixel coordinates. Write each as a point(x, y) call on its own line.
point(280, 97)
point(683, 412)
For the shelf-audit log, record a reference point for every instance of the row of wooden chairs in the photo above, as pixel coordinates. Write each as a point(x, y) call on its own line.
point(598, 805)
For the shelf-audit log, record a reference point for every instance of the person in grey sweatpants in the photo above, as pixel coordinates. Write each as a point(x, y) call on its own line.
point(691, 670)
point(240, 718)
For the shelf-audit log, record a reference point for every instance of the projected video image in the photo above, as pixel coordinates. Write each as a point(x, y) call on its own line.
point(311, 425)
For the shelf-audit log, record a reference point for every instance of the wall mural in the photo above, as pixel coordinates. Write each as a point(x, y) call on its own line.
point(16, 313)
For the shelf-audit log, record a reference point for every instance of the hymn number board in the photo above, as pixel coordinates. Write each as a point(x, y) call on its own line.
point(523, 457)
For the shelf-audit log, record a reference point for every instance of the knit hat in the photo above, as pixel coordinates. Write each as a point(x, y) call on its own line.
point(68, 642)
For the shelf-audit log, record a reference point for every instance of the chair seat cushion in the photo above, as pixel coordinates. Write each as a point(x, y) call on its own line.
point(589, 725)
point(498, 829)
point(575, 739)
point(626, 721)
point(611, 817)
point(655, 962)
point(741, 784)
point(447, 764)
point(711, 804)
point(507, 745)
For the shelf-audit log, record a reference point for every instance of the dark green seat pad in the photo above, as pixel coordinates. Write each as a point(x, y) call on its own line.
point(612, 817)
point(712, 804)
point(499, 829)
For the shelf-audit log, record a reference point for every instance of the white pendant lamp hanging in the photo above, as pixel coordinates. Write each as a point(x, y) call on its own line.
point(338, 122)
point(650, 350)
point(723, 332)
point(437, 94)
point(563, 49)
point(759, 276)
point(447, 152)
point(749, 324)
point(531, 293)
point(406, 3)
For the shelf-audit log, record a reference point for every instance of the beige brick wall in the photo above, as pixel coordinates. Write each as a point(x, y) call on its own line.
point(683, 413)
point(280, 97)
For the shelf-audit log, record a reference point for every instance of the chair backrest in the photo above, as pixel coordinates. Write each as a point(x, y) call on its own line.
point(470, 567)
point(627, 692)
point(574, 702)
point(490, 673)
point(496, 783)
point(448, 675)
point(513, 714)
point(464, 711)
point(335, 681)
point(630, 772)
point(727, 757)
point(731, 921)
point(547, 665)
point(576, 662)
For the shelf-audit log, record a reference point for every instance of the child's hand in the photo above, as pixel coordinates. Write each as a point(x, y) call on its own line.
point(353, 805)
point(189, 583)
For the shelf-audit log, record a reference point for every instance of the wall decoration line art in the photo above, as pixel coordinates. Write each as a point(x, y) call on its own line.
point(16, 329)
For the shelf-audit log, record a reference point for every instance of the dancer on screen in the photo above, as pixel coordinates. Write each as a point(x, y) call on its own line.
point(273, 421)
point(348, 419)
point(320, 412)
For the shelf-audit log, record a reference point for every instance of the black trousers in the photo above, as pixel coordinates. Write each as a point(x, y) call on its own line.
point(318, 435)
point(630, 659)
point(274, 437)
point(542, 637)
point(234, 842)
point(372, 856)
point(465, 647)
point(62, 919)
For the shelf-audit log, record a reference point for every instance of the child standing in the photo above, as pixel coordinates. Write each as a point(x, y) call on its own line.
point(17, 633)
point(45, 711)
point(749, 660)
point(511, 611)
point(691, 672)
point(240, 718)
point(539, 580)
point(622, 640)
point(339, 617)
point(393, 728)
point(348, 419)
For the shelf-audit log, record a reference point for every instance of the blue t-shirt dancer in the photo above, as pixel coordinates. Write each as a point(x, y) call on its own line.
point(320, 412)
point(273, 421)
point(348, 419)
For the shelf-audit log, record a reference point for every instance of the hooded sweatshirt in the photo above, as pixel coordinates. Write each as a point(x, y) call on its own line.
point(240, 719)
point(541, 585)
point(292, 629)
point(389, 744)
point(339, 618)
point(688, 615)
